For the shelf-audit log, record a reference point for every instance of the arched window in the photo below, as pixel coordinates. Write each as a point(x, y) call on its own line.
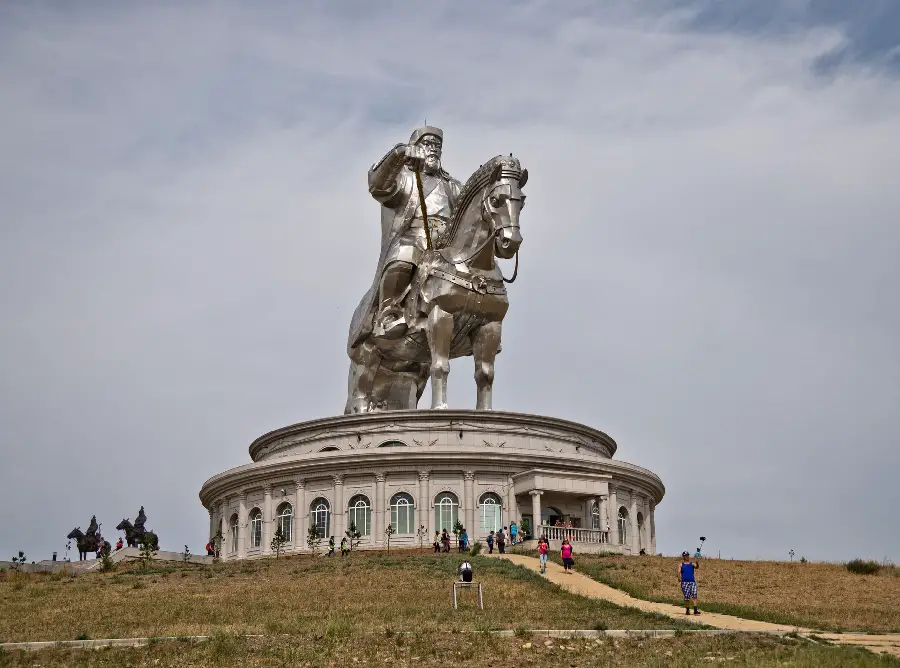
point(320, 514)
point(551, 516)
point(623, 526)
point(403, 514)
point(233, 527)
point(360, 514)
point(491, 513)
point(640, 530)
point(255, 528)
point(595, 517)
point(329, 448)
point(392, 444)
point(446, 511)
point(286, 521)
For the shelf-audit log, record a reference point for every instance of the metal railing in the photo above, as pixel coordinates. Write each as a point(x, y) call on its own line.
point(574, 535)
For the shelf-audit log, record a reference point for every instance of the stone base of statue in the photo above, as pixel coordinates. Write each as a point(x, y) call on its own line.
point(425, 471)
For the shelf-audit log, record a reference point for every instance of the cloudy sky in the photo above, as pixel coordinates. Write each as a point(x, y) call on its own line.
point(709, 272)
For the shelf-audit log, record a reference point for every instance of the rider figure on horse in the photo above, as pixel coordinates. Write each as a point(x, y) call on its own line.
point(392, 182)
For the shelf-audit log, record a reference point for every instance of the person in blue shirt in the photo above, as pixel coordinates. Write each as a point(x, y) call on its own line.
point(688, 580)
point(513, 532)
point(463, 541)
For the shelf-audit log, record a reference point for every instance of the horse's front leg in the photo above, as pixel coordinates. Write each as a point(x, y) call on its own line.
point(439, 330)
point(485, 343)
point(363, 364)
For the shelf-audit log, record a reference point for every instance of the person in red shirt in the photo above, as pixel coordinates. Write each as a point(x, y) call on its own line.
point(119, 543)
point(544, 550)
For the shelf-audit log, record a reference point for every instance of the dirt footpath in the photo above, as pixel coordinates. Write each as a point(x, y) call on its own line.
point(584, 586)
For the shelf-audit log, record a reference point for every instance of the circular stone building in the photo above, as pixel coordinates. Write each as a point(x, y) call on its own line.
point(420, 471)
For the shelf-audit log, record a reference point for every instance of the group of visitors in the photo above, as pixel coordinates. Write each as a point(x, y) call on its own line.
point(345, 547)
point(442, 541)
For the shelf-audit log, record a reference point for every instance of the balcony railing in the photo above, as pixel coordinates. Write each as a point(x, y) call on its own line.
point(574, 535)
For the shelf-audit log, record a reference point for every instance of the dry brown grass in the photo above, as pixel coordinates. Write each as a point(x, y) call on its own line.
point(294, 596)
point(824, 596)
point(442, 649)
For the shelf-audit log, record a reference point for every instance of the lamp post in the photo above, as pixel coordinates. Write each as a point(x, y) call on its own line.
point(791, 553)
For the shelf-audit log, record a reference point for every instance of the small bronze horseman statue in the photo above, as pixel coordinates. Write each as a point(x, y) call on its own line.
point(91, 541)
point(135, 534)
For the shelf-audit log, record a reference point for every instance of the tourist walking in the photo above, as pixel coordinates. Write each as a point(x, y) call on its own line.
point(513, 532)
point(544, 551)
point(566, 553)
point(501, 542)
point(436, 544)
point(463, 541)
point(445, 540)
point(331, 546)
point(344, 548)
point(490, 542)
point(688, 579)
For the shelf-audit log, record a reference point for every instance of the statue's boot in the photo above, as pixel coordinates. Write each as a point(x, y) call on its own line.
point(390, 322)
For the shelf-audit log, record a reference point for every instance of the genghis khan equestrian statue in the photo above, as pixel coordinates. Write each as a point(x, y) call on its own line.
point(392, 182)
point(437, 291)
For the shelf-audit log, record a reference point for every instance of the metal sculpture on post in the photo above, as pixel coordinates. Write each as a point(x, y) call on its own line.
point(438, 292)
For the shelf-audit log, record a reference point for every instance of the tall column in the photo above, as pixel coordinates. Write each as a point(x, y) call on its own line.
point(469, 491)
point(604, 514)
point(635, 530)
point(338, 513)
point(220, 527)
point(380, 524)
point(421, 513)
point(653, 527)
point(212, 521)
point(613, 516)
point(429, 504)
point(536, 512)
point(512, 507)
point(242, 525)
point(301, 512)
point(267, 520)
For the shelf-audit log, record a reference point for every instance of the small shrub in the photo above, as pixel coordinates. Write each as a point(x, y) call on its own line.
point(803, 560)
point(82, 636)
point(476, 548)
point(862, 567)
point(521, 632)
point(600, 625)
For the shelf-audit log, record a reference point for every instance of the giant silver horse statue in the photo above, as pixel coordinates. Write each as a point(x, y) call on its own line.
point(438, 292)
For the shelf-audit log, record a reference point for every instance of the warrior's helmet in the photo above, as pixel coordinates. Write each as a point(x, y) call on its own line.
point(418, 133)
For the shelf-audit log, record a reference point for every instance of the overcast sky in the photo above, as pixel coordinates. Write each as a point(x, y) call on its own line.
point(709, 270)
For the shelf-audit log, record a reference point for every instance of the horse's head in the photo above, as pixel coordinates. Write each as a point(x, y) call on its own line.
point(503, 201)
point(124, 525)
point(75, 533)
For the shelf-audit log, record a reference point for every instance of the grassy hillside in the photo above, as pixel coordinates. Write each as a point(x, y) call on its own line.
point(824, 596)
point(296, 595)
point(343, 650)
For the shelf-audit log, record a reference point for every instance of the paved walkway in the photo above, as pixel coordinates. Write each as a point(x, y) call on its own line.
point(582, 585)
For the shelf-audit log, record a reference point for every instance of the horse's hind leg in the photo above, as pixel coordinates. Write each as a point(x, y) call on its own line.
point(439, 329)
point(364, 363)
point(485, 342)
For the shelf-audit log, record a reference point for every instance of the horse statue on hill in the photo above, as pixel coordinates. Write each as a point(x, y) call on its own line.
point(135, 534)
point(92, 541)
point(455, 304)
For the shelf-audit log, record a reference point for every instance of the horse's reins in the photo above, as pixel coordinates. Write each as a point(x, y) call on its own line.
point(491, 238)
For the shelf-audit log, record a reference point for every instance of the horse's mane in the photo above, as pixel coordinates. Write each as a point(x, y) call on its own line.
point(481, 178)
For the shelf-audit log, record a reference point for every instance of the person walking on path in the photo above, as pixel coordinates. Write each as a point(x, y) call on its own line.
point(688, 580)
point(513, 532)
point(463, 541)
point(344, 549)
point(566, 553)
point(331, 546)
point(544, 551)
point(490, 542)
point(437, 541)
point(445, 540)
point(501, 542)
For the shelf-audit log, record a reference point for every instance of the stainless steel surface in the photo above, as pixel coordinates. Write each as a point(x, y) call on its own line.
point(428, 305)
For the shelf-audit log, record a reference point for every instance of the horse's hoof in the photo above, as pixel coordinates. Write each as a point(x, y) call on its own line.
point(439, 407)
